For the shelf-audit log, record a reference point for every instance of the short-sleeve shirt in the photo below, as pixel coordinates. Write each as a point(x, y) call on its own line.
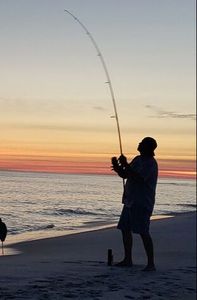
point(141, 192)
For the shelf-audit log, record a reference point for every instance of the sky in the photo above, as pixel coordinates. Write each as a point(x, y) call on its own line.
point(56, 112)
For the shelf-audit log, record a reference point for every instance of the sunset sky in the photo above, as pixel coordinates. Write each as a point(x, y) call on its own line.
point(55, 107)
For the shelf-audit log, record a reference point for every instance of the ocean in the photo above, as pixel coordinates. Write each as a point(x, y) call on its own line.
point(35, 205)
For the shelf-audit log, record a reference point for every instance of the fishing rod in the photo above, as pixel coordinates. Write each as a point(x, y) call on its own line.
point(100, 55)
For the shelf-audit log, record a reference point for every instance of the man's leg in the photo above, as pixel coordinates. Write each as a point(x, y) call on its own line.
point(127, 243)
point(148, 245)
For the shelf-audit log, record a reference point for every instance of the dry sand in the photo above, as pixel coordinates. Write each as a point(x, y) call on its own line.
point(75, 267)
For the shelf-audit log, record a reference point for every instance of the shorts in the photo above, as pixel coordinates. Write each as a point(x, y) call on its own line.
point(135, 219)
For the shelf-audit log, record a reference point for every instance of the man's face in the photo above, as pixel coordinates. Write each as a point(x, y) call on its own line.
point(140, 147)
point(143, 147)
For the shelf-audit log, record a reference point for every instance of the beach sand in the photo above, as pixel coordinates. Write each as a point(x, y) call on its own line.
point(75, 266)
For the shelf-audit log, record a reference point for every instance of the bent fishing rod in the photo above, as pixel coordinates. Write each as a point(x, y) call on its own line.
point(109, 83)
point(100, 55)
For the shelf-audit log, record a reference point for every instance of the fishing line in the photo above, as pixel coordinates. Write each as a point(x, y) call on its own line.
point(109, 83)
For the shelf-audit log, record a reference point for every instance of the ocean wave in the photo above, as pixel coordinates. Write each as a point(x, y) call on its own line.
point(14, 231)
point(70, 211)
point(49, 226)
point(187, 205)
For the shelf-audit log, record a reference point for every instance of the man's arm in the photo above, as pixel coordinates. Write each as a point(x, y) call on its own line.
point(128, 170)
point(123, 169)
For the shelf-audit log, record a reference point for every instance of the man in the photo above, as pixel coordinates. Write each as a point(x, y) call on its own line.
point(138, 199)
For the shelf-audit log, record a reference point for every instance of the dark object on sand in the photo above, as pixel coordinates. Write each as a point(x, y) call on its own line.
point(109, 257)
point(3, 233)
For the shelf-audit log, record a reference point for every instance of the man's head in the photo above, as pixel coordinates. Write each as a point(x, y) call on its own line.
point(147, 146)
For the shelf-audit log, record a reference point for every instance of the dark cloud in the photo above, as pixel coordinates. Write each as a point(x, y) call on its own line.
point(100, 108)
point(46, 105)
point(160, 113)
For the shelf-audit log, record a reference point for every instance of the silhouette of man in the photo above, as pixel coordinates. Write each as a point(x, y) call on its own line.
point(138, 199)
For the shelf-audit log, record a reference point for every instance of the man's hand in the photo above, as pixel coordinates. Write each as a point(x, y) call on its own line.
point(118, 167)
point(122, 160)
point(114, 160)
point(115, 164)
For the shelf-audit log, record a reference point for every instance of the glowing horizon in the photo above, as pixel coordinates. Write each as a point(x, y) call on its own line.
point(168, 168)
point(56, 114)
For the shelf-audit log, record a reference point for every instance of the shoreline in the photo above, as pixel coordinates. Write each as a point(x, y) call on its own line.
point(88, 227)
point(75, 265)
point(11, 247)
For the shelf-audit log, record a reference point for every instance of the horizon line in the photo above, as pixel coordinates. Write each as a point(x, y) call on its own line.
point(162, 173)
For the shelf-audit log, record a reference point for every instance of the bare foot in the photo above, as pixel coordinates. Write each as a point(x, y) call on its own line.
point(149, 268)
point(124, 263)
